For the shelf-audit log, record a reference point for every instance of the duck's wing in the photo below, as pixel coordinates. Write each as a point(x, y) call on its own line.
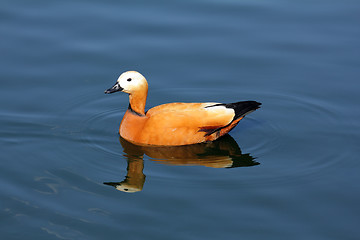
point(191, 115)
point(241, 109)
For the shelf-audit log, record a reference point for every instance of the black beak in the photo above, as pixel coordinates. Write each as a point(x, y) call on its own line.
point(115, 88)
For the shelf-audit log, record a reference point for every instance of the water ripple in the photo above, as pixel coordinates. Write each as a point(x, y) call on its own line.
point(268, 134)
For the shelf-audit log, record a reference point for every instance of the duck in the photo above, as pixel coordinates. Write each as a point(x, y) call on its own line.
point(174, 124)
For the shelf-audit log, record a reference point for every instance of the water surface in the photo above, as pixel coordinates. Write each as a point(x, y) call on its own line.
point(287, 171)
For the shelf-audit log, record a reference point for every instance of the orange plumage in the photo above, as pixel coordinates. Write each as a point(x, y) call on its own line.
point(174, 123)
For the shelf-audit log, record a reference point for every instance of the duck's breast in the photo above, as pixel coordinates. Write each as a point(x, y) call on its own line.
point(131, 126)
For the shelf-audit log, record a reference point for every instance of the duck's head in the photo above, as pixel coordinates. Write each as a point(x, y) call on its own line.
point(129, 82)
point(125, 187)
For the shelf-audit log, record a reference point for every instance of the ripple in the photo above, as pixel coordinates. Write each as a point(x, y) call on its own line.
point(282, 116)
point(99, 127)
point(96, 127)
point(293, 139)
point(281, 135)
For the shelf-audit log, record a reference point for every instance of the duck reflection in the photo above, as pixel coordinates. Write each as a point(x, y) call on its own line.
point(222, 153)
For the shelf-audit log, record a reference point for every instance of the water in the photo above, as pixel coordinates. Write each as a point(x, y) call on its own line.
point(290, 170)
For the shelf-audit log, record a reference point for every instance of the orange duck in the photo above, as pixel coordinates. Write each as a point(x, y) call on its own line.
point(174, 124)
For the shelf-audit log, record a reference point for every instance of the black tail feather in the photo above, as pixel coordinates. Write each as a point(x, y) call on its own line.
point(243, 108)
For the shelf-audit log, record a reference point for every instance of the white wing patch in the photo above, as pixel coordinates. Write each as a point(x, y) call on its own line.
point(219, 109)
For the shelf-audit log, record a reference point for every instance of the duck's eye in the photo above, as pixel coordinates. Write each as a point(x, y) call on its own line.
point(129, 79)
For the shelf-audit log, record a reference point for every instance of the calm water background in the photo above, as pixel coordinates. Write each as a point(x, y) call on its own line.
point(59, 140)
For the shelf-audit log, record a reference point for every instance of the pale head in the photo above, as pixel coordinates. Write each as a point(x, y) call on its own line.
point(129, 82)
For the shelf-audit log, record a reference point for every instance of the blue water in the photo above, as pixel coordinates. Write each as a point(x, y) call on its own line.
point(290, 170)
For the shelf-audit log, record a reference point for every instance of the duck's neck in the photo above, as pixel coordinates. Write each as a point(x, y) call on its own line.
point(137, 102)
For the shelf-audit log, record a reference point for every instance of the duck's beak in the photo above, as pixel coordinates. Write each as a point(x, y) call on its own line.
point(114, 184)
point(115, 88)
